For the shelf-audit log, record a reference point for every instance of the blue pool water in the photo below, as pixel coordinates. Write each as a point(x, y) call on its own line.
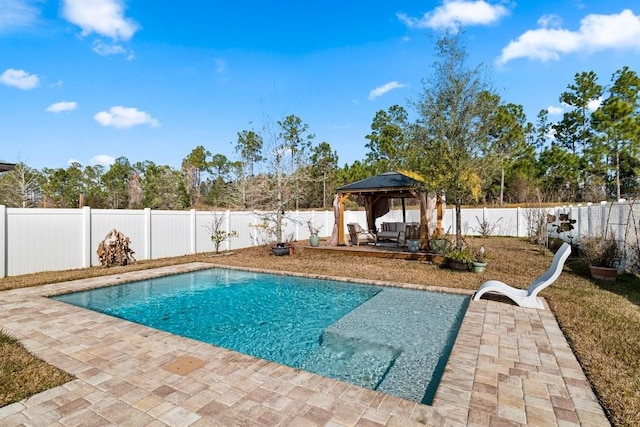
point(393, 340)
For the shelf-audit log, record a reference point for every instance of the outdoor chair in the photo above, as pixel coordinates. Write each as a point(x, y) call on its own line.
point(359, 235)
point(528, 297)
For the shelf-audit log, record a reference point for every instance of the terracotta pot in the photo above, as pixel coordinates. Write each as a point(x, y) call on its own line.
point(604, 273)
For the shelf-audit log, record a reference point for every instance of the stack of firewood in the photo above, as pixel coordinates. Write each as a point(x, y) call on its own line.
point(115, 250)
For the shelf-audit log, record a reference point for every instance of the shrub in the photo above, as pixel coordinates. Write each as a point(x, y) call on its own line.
point(485, 227)
point(217, 234)
point(602, 250)
point(460, 255)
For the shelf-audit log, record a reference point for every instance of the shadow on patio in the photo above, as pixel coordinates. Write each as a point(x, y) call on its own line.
point(381, 250)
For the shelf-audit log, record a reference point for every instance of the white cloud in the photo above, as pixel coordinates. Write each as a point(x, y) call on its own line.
point(59, 107)
point(594, 104)
point(107, 49)
point(20, 79)
point(381, 90)
point(597, 32)
point(455, 13)
point(123, 117)
point(103, 159)
point(549, 21)
point(104, 49)
point(103, 17)
point(17, 13)
point(554, 111)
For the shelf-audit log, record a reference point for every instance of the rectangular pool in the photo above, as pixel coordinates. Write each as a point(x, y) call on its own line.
point(392, 340)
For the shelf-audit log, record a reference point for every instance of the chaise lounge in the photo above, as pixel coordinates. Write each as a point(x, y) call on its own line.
point(528, 297)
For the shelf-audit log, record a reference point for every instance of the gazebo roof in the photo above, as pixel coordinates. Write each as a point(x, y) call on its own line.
point(393, 182)
point(5, 167)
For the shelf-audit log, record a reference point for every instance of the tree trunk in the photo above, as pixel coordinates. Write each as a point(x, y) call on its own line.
point(502, 187)
point(279, 201)
point(324, 189)
point(618, 174)
point(458, 225)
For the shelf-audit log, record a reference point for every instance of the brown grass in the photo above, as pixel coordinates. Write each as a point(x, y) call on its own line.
point(601, 321)
point(22, 374)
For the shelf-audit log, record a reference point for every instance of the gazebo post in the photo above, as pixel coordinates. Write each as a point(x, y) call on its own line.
point(439, 212)
point(341, 200)
point(404, 212)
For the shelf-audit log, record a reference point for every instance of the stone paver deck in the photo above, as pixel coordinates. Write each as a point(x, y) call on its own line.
point(509, 366)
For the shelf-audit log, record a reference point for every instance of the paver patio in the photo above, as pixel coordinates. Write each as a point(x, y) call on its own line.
point(509, 366)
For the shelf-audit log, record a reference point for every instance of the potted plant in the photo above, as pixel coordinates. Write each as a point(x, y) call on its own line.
point(314, 239)
point(603, 253)
point(440, 243)
point(412, 236)
point(479, 261)
point(458, 259)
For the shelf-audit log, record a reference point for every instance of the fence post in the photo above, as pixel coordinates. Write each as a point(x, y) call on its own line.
point(147, 233)
point(603, 220)
point(589, 219)
point(253, 234)
point(3, 241)
point(518, 214)
point(86, 236)
point(621, 221)
point(227, 228)
point(578, 220)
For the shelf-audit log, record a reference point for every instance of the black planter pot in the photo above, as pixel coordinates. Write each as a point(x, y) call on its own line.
point(280, 250)
point(457, 265)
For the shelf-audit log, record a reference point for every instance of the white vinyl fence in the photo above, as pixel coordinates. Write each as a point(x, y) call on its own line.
point(35, 240)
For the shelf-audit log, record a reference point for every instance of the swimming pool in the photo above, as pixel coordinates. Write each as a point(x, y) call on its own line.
point(392, 340)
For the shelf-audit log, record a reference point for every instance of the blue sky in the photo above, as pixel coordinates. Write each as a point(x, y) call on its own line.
point(92, 80)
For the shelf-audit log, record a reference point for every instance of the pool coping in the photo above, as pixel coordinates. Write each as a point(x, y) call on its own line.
point(508, 365)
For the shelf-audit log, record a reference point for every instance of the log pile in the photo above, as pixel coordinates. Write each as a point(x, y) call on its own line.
point(115, 250)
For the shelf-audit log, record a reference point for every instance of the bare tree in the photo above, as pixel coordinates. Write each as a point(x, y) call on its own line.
point(20, 187)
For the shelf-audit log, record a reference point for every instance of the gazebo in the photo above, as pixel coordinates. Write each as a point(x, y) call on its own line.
point(377, 191)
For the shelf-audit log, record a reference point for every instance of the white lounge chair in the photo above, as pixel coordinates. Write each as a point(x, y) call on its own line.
point(528, 297)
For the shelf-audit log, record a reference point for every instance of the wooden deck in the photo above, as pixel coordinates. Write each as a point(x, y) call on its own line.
point(379, 251)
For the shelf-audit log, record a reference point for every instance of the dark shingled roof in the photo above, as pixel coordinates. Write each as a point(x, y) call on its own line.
point(387, 181)
point(4, 167)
